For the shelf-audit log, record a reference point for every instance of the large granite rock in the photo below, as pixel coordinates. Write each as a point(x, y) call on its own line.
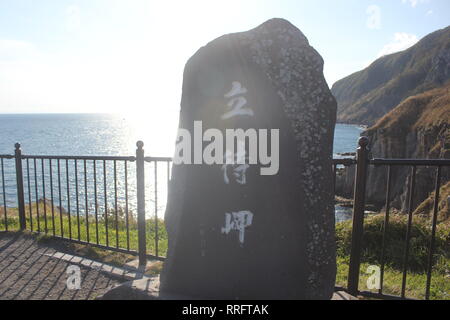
point(233, 232)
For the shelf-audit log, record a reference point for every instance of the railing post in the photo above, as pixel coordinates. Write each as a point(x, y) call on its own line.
point(20, 191)
point(358, 214)
point(140, 180)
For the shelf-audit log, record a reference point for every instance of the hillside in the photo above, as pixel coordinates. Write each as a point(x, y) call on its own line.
point(419, 127)
point(426, 115)
point(367, 95)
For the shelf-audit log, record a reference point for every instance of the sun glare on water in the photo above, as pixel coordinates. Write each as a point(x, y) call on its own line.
point(157, 131)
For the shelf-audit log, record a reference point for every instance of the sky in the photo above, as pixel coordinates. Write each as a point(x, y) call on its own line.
point(127, 56)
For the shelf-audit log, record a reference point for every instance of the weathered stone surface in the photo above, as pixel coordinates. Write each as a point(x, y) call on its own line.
point(286, 247)
point(141, 289)
point(344, 296)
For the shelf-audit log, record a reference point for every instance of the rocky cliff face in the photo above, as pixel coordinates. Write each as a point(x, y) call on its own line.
point(417, 128)
point(366, 96)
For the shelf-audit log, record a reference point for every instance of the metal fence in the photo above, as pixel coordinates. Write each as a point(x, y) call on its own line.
point(101, 201)
point(95, 200)
point(363, 163)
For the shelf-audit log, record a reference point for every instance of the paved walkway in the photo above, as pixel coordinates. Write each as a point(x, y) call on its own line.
point(29, 271)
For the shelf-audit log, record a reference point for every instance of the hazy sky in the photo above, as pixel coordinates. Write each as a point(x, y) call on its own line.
point(128, 55)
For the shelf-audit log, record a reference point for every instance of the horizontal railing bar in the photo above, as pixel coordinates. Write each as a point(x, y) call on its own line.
point(398, 162)
point(158, 159)
point(118, 158)
point(411, 162)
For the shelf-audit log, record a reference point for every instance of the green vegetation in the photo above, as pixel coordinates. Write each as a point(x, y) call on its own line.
point(427, 206)
point(67, 226)
point(418, 257)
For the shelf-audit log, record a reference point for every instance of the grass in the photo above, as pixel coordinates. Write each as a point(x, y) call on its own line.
point(417, 263)
point(427, 206)
point(114, 233)
point(416, 282)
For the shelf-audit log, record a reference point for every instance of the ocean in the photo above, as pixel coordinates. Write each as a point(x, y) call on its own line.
point(103, 134)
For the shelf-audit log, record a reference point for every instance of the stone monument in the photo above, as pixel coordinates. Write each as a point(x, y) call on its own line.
point(259, 225)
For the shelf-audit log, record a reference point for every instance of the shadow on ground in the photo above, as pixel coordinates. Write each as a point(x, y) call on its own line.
point(28, 273)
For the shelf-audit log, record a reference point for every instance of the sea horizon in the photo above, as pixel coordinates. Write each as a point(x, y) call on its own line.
point(109, 134)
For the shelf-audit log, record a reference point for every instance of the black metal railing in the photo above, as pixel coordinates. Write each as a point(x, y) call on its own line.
point(165, 162)
point(81, 202)
point(363, 162)
point(4, 207)
point(95, 200)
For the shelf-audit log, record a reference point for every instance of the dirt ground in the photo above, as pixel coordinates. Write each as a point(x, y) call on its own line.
point(27, 273)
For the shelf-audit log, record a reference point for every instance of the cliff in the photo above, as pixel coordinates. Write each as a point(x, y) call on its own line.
point(366, 96)
point(419, 128)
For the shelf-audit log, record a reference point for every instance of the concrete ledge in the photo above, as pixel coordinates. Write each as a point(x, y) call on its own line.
point(142, 289)
point(342, 295)
point(148, 289)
